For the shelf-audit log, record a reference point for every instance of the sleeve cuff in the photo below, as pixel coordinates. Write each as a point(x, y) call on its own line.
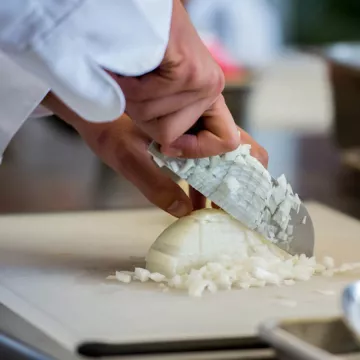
point(20, 94)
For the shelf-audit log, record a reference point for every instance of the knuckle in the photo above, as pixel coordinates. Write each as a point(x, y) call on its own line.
point(216, 82)
point(194, 74)
point(141, 112)
point(231, 143)
point(163, 136)
point(162, 132)
point(211, 80)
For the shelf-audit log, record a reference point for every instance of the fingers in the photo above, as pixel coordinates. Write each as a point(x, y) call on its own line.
point(220, 135)
point(148, 87)
point(149, 110)
point(166, 129)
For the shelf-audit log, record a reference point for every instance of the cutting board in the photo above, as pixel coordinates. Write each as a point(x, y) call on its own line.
point(53, 270)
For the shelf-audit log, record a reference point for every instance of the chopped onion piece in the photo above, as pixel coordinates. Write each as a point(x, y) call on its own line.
point(142, 274)
point(289, 282)
point(175, 167)
point(197, 287)
point(111, 277)
point(123, 277)
point(242, 285)
point(212, 287)
point(157, 277)
point(231, 156)
point(189, 164)
point(282, 182)
point(290, 229)
point(215, 161)
point(232, 183)
point(328, 262)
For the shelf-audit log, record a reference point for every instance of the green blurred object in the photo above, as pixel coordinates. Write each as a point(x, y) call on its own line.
point(325, 21)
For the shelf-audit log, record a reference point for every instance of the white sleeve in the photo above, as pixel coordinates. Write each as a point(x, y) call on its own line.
point(68, 44)
point(20, 94)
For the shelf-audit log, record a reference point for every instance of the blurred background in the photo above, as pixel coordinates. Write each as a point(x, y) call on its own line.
point(293, 82)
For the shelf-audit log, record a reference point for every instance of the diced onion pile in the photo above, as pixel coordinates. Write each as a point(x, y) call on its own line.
point(209, 250)
point(242, 186)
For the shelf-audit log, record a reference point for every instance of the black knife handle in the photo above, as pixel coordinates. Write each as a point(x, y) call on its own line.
point(196, 128)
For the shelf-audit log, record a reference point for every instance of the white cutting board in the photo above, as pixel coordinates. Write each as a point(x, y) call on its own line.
point(53, 270)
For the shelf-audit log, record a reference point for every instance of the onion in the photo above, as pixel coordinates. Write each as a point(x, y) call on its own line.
point(123, 277)
point(241, 185)
point(210, 251)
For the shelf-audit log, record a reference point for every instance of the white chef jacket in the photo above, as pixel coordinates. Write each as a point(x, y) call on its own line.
point(65, 45)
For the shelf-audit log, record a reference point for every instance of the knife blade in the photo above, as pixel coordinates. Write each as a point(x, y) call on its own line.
point(291, 229)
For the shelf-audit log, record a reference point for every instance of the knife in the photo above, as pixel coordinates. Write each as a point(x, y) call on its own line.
point(290, 229)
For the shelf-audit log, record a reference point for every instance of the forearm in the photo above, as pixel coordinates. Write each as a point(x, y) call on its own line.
point(90, 132)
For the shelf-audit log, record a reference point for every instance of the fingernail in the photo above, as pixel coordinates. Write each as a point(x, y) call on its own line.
point(178, 208)
point(172, 152)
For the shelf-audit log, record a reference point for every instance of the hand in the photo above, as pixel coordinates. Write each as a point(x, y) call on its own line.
point(123, 146)
point(186, 86)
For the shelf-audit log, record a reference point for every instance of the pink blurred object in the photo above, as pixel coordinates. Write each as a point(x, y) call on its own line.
point(222, 56)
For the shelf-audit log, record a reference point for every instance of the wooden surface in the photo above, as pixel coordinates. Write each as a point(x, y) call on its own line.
point(53, 270)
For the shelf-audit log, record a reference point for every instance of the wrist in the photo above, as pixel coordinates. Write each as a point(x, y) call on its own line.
point(53, 104)
point(96, 135)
